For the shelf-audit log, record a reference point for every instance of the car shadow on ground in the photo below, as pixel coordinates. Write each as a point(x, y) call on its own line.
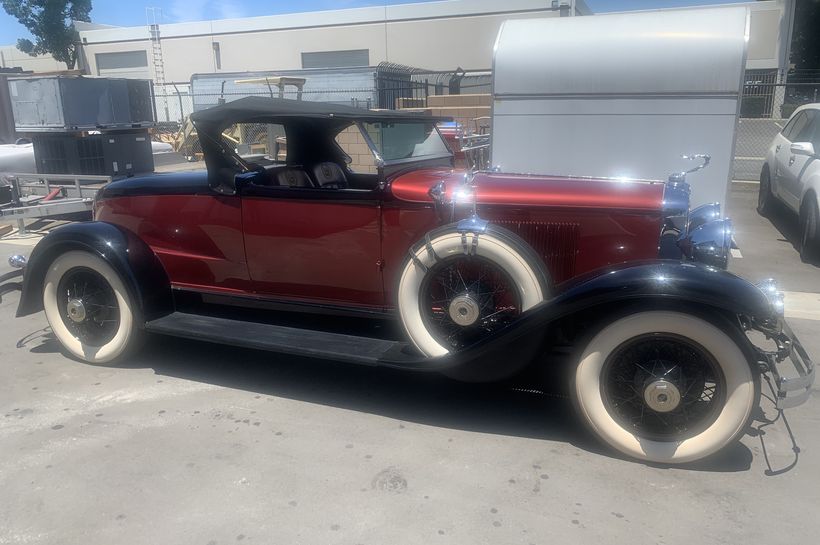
point(431, 399)
point(788, 225)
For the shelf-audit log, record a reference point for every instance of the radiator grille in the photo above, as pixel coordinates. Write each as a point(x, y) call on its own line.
point(555, 243)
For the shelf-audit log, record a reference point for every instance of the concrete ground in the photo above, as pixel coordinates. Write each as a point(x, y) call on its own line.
point(202, 444)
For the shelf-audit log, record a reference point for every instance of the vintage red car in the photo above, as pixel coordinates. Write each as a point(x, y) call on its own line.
point(410, 263)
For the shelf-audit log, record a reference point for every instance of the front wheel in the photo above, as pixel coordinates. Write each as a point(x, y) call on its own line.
point(764, 196)
point(665, 387)
point(88, 307)
point(457, 288)
point(809, 231)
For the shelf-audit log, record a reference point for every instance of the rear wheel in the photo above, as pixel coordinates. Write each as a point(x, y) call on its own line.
point(764, 196)
point(809, 231)
point(665, 387)
point(457, 288)
point(88, 308)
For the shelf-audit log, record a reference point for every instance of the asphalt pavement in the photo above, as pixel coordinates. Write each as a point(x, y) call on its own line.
point(192, 443)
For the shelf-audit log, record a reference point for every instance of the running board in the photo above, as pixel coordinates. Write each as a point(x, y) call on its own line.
point(287, 340)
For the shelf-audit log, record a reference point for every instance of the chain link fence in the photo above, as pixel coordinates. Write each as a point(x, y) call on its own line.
point(765, 106)
point(764, 110)
point(176, 102)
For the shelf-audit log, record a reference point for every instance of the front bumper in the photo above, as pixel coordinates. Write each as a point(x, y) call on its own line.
point(793, 386)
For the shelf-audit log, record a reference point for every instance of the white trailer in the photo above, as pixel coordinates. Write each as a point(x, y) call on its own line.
point(621, 95)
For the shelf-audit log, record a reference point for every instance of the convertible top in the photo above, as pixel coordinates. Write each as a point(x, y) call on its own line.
point(313, 122)
point(252, 107)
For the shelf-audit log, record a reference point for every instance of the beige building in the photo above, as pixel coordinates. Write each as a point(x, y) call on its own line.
point(11, 57)
point(435, 36)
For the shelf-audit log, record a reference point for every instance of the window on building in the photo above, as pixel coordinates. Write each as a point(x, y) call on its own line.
point(336, 59)
point(217, 56)
point(121, 62)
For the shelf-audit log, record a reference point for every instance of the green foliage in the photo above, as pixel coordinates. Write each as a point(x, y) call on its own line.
point(50, 22)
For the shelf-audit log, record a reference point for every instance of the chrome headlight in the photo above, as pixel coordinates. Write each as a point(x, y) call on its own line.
point(773, 294)
point(17, 261)
point(703, 214)
point(676, 204)
point(710, 243)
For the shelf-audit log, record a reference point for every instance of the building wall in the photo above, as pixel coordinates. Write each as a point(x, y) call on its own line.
point(436, 36)
point(768, 35)
point(11, 57)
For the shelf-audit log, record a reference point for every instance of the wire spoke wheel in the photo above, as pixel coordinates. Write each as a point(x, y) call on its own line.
point(663, 387)
point(89, 306)
point(465, 298)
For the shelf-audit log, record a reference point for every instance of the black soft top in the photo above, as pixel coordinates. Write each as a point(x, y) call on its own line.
point(312, 124)
point(263, 107)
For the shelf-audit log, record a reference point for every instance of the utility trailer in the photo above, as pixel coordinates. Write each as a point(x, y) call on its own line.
point(621, 95)
point(47, 196)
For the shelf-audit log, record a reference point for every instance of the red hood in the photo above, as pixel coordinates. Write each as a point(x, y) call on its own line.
point(524, 190)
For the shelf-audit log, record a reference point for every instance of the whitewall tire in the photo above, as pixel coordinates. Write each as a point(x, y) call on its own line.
point(732, 389)
point(88, 307)
point(496, 248)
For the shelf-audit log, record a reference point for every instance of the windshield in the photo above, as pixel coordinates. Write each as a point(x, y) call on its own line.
point(406, 139)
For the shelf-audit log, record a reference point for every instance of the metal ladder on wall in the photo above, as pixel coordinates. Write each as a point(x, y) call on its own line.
point(153, 15)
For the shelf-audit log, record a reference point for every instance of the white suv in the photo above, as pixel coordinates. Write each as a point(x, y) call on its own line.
point(791, 174)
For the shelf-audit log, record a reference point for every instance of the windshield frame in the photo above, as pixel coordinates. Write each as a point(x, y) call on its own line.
point(382, 162)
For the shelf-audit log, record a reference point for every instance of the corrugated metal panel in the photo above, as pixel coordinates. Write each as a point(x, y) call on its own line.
point(59, 103)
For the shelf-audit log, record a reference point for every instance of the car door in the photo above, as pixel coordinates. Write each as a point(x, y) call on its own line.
point(317, 246)
point(791, 175)
point(779, 150)
point(312, 229)
point(785, 159)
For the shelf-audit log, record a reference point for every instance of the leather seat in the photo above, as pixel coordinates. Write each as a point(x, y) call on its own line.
point(330, 174)
point(293, 177)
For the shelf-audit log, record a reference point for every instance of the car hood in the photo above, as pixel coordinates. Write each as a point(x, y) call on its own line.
point(532, 190)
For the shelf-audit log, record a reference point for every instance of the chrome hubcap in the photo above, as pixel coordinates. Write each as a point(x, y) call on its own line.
point(662, 396)
point(464, 310)
point(76, 310)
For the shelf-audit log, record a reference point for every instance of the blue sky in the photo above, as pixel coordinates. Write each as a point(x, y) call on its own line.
point(132, 12)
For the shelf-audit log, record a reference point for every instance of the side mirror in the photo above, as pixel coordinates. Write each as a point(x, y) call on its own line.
point(802, 148)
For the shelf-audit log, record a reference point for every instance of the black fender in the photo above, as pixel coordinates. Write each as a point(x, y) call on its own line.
point(138, 266)
point(664, 280)
point(600, 294)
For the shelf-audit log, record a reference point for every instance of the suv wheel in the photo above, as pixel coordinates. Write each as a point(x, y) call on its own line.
point(764, 196)
point(809, 231)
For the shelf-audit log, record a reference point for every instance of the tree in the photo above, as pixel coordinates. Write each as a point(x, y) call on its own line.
point(51, 24)
point(806, 36)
